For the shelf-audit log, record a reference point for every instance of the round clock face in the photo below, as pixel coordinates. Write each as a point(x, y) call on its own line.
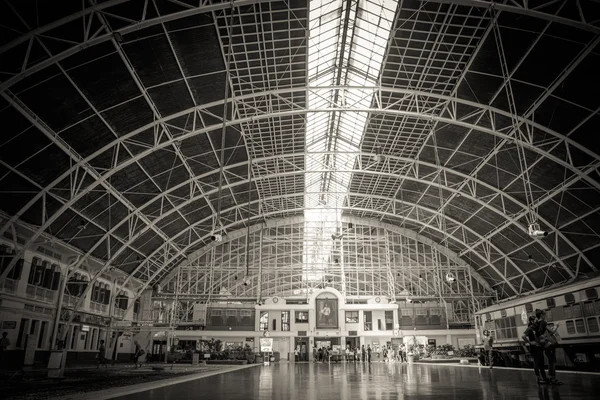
point(275, 299)
point(377, 299)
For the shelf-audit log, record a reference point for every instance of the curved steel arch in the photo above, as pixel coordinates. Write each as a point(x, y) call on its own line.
point(416, 95)
point(484, 259)
point(434, 212)
point(424, 285)
point(203, 7)
point(452, 256)
point(419, 114)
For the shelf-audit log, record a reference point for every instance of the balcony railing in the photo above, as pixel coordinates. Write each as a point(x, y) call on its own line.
point(119, 313)
point(70, 300)
point(101, 308)
point(9, 286)
point(40, 293)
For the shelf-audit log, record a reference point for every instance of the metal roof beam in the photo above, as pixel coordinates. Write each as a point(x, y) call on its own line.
point(524, 8)
point(133, 27)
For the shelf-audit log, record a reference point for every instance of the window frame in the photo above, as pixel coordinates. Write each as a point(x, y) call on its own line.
point(350, 317)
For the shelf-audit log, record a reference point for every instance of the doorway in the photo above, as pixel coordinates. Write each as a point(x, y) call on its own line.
point(158, 346)
point(302, 342)
point(352, 342)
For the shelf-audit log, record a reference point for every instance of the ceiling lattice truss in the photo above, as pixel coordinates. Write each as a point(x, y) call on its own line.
point(464, 122)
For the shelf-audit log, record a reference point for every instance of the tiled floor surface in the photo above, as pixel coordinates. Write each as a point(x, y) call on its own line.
point(376, 381)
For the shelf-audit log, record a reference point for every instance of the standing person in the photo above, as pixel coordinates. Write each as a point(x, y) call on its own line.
point(138, 353)
point(403, 352)
point(315, 353)
point(4, 343)
point(545, 337)
point(363, 354)
point(488, 342)
point(297, 354)
point(536, 351)
point(102, 354)
point(369, 354)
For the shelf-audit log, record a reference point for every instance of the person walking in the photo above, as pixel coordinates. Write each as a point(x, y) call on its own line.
point(4, 344)
point(138, 353)
point(536, 351)
point(369, 354)
point(488, 342)
point(101, 357)
point(363, 354)
point(545, 336)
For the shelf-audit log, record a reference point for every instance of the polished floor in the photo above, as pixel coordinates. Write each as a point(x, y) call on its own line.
point(375, 381)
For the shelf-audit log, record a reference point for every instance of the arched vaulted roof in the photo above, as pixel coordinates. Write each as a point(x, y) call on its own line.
point(464, 122)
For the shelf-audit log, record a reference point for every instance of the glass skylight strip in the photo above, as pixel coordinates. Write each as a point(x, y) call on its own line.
point(346, 53)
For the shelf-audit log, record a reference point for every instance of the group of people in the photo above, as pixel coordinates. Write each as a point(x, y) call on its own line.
point(391, 355)
point(541, 340)
point(362, 354)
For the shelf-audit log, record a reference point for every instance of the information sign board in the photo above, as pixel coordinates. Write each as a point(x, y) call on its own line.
point(266, 345)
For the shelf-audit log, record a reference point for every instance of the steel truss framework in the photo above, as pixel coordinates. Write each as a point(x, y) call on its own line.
point(446, 166)
point(370, 259)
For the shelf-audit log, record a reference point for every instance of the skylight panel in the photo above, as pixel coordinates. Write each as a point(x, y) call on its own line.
point(347, 54)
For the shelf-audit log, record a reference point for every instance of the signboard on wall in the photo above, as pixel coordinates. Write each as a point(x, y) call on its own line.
point(266, 345)
point(327, 313)
point(9, 325)
point(431, 342)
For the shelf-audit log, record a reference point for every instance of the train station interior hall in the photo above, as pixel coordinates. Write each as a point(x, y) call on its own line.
point(300, 199)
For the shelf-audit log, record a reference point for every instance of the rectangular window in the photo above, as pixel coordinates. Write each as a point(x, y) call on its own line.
point(570, 327)
point(389, 320)
point(588, 308)
point(351, 317)
point(368, 321)
point(597, 307)
point(577, 311)
point(33, 272)
point(593, 325)
point(549, 317)
point(580, 325)
point(285, 320)
point(568, 311)
point(264, 321)
point(301, 317)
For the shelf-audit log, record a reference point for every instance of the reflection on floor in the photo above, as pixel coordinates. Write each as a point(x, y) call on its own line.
point(376, 381)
